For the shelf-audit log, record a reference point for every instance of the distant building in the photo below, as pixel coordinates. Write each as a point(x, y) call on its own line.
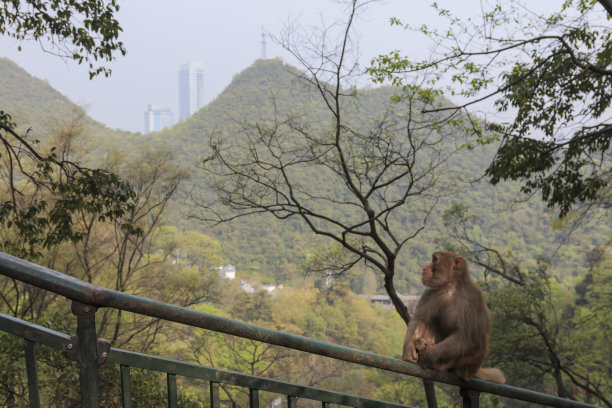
point(227, 271)
point(247, 287)
point(157, 118)
point(271, 288)
point(385, 301)
point(191, 89)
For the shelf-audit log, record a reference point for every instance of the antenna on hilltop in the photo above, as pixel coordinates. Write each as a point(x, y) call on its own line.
point(263, 44)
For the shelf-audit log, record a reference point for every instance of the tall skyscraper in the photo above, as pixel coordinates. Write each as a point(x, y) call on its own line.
point(157, 118)
point(191, 88)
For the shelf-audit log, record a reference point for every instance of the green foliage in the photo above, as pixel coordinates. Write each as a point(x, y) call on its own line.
point(85, 31)
point(45, 190)
point(542, 339)
point(54, 188)
point(570, 82)
point(554, 76)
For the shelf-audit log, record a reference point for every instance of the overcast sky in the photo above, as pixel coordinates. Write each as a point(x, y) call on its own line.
point(225, 35)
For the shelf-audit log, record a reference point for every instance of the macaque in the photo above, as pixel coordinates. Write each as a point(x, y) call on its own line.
point(451, 325)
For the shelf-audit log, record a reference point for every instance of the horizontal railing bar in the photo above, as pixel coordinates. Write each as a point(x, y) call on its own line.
point(161, 364)
point(153, 363)
point(84, 292)
point(34, 332)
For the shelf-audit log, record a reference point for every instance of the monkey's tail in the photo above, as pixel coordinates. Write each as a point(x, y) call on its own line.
point(491, 374)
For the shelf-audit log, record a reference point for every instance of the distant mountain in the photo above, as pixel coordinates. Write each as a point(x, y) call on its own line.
point(275, 250)
point(33, 103)
point(29, 99)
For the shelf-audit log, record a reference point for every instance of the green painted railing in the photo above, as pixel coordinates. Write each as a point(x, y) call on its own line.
point(90, 351)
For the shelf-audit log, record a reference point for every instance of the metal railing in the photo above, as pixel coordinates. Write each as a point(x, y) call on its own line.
point(90, 351)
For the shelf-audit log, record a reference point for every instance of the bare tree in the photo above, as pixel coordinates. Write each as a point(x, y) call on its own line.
point(350, 173)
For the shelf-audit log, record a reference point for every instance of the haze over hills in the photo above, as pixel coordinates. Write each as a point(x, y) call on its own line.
point(273, 250)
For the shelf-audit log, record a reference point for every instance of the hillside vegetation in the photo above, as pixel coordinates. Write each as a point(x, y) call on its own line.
point(274, 251)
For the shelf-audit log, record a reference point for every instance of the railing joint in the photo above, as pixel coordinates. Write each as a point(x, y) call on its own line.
point(81, 309)
point(102, 349)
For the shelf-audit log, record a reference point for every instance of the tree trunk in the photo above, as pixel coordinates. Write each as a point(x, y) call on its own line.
point(399, 305)
point(607, 4)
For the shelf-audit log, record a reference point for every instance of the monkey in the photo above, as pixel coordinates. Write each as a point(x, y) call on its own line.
point(451, 325)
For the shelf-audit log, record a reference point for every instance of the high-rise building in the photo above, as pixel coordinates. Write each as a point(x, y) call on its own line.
point(157, 118)
point(191, 88)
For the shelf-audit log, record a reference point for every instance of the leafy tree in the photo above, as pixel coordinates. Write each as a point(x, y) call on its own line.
point(85, 31)
point(44, 190)
point(552, 74)
point(233, 353)
point(115, 258)
point(556, 348)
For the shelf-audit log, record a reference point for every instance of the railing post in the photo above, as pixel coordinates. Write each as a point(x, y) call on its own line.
point(214, 395)
point(253, 398)
point(470, 398)
point(172, 391)
point(126, 387)
point(30, 354)
point(430, 394)
point(87, 353)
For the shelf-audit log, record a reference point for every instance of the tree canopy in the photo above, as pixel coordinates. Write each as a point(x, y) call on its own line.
point(552, 75)
point(45, 189)
point(85, 31)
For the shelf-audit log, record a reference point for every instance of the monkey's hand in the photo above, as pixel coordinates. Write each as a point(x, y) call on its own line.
point(410, 353)
point(430, 359)
point(426, 358)
point(422, 343)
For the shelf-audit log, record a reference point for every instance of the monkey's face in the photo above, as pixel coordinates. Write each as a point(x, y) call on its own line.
point(438, 272)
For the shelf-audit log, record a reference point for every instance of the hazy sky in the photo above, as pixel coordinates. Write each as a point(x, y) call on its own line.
point(224, 35)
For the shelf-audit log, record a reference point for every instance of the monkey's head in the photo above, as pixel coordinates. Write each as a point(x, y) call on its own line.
point(445, 267)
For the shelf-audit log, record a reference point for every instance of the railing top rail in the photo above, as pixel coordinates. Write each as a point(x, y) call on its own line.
point(87, 293)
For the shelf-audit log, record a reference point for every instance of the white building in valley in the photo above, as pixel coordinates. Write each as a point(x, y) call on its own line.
point(227, 271)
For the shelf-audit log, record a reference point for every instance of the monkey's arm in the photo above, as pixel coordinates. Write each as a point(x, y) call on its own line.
point(416, 329)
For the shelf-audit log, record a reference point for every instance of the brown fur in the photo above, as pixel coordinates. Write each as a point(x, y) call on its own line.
point(451, 325)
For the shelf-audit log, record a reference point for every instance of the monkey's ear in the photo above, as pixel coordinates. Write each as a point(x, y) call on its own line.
point(458, 262)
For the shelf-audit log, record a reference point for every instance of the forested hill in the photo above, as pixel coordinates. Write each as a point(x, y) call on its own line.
point(273, 250)
point(29, 99)
point(34, 104)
